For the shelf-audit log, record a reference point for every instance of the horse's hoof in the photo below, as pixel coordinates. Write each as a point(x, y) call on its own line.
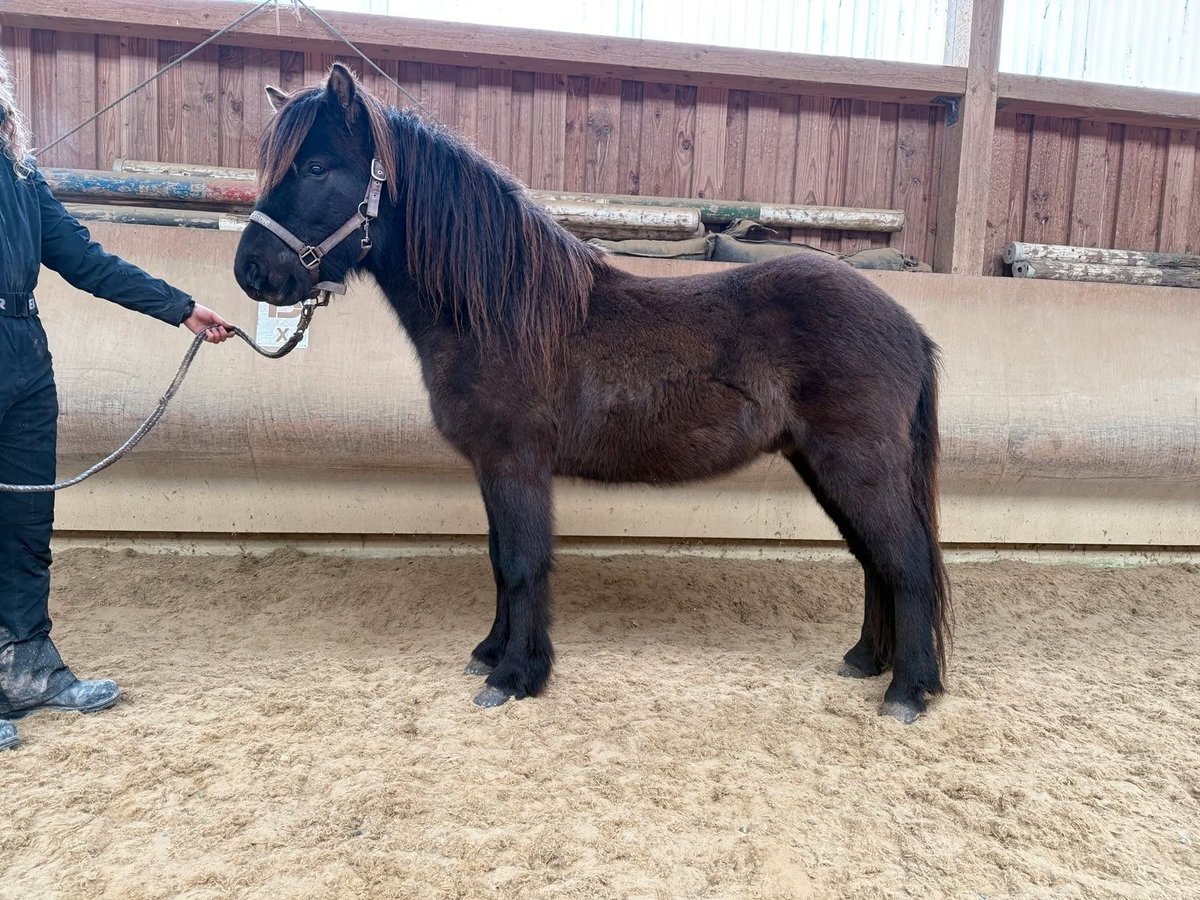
point(850, 670)
point(489, 697)
point(902, 712)
point(477, 667)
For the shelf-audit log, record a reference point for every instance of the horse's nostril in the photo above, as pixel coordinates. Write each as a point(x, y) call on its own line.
point(252, 274)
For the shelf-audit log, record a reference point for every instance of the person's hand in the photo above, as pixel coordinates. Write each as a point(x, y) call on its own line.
point(204, 319)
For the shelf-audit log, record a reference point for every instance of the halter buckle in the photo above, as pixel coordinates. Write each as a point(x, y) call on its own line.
point(310, 257)
point(377, 170)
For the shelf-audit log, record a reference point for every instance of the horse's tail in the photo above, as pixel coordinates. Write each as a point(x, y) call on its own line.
point(925, 451)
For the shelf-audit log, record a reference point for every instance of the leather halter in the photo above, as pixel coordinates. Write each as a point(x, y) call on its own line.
point(311, 255)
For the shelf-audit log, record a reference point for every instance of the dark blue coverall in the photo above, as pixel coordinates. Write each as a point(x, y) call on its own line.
point(36, 230)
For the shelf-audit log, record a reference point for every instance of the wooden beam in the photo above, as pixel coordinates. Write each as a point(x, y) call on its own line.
point(513, 49)
point(1095, 102)
point(966, 160)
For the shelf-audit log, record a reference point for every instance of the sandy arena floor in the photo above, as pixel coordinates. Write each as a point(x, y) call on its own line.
point(299, 727)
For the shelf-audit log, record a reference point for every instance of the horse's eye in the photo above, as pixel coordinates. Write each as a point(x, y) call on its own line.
point(316, 170)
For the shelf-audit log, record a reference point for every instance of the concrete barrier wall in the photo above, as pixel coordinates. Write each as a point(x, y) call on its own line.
point(1069, 416)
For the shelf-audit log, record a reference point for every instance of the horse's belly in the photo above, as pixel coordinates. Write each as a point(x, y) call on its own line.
point(679, 435)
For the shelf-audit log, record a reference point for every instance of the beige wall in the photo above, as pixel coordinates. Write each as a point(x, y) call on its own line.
point(1069, 416)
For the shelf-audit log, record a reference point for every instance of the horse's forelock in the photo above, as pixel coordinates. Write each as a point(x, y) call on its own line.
point(283, 137)
point(287, 130)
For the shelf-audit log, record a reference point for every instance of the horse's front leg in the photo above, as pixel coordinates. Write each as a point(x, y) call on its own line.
point(518, 499)
point(490, 651)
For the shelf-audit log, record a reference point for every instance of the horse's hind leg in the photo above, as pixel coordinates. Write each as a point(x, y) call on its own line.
point(490, 651)
point(872, 654)
point(869, 483)
point(519, 505)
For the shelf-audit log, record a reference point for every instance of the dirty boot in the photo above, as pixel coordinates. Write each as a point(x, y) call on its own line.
point(82, 696)
point(8, 735)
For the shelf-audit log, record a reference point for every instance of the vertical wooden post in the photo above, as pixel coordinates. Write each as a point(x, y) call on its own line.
point(967, 152)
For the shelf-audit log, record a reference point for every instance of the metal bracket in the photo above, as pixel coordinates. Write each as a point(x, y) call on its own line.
point(952, 104)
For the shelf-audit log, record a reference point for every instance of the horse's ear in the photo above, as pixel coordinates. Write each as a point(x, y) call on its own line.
point(276, 97)
point(341, 86)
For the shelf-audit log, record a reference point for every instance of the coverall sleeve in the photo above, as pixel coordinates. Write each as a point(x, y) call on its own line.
point(68, 248)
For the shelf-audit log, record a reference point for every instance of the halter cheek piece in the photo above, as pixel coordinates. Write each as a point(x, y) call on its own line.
point(311, 256)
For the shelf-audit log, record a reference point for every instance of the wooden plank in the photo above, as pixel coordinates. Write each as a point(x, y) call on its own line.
point(520, 154)
point(684, 142)
point(110, 143)
point(1097, 102)
point(1097, 178)
point(18, 50)
point(870, 166)
point(410, 80)
point(137, 115)
point(512, 48)
point(495, 95)
point(1000, 187)
point(937, 121)
point(1143, 174)
point(1180, 184)
point(575, 162)
point(657, 134)
point(230, 78)
point(187, 109)
point(762, 141)
point(603, 174)
point(260, 68)
point(736, 134)
point(75, 69)
point(466, 103)
point(835, 166)
point(668, 129)
point(439, 83)
point(967, 149)
point(64, 59)
point(386, 92)
point(810, 187)
point(787, 137)
point(1193, 242)
point(912, 192)
point(630, 147)
point(291, 71)
point(1050, 185)
point(708, 163)
point(885, 170)
point(548, 132)
point(42, 100)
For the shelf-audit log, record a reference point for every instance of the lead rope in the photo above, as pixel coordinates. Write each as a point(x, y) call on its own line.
point(146, 427)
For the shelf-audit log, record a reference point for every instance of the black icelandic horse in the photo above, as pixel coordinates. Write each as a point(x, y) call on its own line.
point(541, 359)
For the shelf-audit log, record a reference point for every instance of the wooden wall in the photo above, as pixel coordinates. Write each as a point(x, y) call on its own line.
point(1052, 179)
point(554, 131)
point(1097, 184)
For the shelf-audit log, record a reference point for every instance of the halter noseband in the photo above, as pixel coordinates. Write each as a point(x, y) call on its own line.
point(311, 256)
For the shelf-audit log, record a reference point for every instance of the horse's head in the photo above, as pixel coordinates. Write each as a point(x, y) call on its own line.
point(316, 180)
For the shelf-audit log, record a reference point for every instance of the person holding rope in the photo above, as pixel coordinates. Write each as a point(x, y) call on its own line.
point(37, 230)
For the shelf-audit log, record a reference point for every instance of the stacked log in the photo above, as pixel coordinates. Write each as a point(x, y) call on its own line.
point(1064, 263)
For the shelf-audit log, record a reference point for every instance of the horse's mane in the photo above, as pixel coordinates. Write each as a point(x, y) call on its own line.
point(475, 244)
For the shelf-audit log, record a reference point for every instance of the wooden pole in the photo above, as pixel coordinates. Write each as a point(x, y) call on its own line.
point(1056, 270)
point(1019, 252)
point(712, 212)
point(967, 153)
point(153, 167)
